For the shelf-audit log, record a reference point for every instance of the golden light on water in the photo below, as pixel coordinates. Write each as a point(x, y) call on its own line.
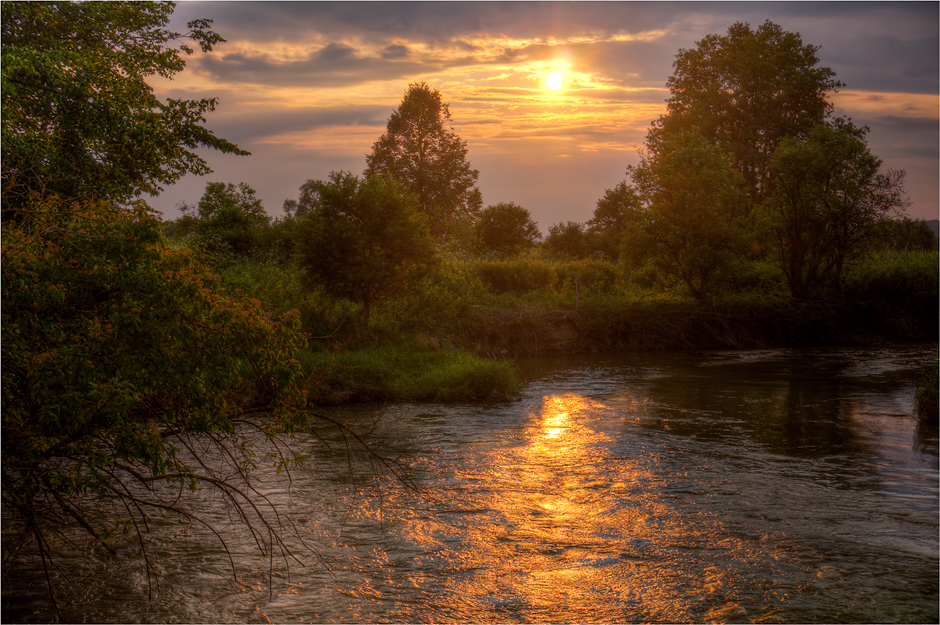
point(569, 524)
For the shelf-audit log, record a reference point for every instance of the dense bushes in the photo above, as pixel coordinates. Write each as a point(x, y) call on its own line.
point(894, 294)
point(525, 274)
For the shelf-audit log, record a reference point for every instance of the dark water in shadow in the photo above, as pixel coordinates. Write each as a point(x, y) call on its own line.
point(714, 486)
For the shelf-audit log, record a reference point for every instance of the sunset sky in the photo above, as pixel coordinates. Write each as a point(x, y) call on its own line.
point(307, 87)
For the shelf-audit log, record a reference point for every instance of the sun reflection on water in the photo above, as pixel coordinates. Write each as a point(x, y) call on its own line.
point(570, 523)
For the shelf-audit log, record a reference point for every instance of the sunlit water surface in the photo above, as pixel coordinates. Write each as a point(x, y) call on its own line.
point(714, 486)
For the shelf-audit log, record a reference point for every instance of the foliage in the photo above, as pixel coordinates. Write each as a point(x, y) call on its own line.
point(365, 240)
point(123, 365)
point(745, 92)
point(506, 228)
point(529, 274)
point(688, 225)
point(435, 305)
point(223, 203)
point(283, 288)
point(894, 294)
point(429, 159)
point(609, 224)
point(520, 275)
point(568, 239)
point(905, 235)
point(828, 200)
point(230, 219)
point(306, 202)
point(78, 116)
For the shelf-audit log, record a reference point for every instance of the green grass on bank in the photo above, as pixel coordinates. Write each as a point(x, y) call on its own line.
point(394, 372)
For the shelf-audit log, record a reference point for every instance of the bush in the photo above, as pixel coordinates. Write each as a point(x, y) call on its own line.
point(517, 275)
point(895, 293)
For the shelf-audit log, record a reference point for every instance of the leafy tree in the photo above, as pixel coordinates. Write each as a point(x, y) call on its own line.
point(506, 228)
point(687, 225)
point(307, 201)
point(123, 367)
point(365, 240)
point(78, 117)
point(607, 227)
point(429, 159)
point(829, 198)
point(746, 91)
point(223, 202)
point(229, 218)
point(569, 239)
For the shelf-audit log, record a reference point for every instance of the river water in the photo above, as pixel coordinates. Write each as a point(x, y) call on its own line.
point(696, 486)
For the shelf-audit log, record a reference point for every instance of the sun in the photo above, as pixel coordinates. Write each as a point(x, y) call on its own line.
point(554, 81)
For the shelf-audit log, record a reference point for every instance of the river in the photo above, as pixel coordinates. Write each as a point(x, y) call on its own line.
point(697, 486)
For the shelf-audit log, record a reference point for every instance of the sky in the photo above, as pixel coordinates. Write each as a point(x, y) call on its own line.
point(307, 87)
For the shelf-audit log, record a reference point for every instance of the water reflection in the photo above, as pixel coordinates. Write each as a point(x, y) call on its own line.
point(774, 485)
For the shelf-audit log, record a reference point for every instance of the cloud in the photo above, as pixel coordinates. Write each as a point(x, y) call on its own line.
point(308, 86)
point(334, 65)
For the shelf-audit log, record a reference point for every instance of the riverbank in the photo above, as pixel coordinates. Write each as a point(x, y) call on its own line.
point(474, 361)
point(453, 336)
point(638, 326)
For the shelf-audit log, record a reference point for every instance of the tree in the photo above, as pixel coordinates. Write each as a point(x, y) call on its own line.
point(747, 91)
point(429, 159)
point(365, 240)
point(688, 223)
point(229, 218)
point(506, 228)
point(124, 368)
point(611, 216)
point(78, 117)
point(306, 203)
point(829, 198)
point(128, 377)
point(570, 239)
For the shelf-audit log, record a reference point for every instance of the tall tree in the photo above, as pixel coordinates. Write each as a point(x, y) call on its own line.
point(78, 116)
point(506, 228)
point(829, 198)
point(365, 240)
point(430, 159)
point(746, 91)
point(687, 225)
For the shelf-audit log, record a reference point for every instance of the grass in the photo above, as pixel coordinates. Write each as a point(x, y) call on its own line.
point(401, 372)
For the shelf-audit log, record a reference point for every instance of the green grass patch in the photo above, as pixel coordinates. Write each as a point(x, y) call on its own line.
point(407, 373)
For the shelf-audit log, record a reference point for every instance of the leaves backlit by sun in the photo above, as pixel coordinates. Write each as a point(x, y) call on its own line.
point(554, 81)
